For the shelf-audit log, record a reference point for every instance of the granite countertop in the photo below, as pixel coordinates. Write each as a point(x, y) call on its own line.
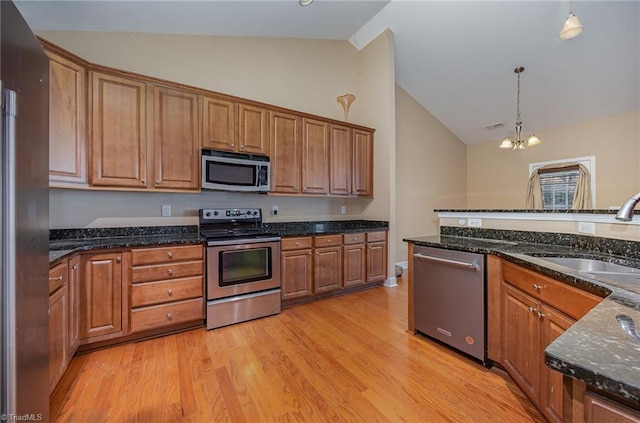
point(595, 349)
point(64, 242)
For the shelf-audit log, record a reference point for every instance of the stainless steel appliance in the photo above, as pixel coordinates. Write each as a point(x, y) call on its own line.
point(24, 217)
point(449, 298)
point(243, 266)
point(234, 172)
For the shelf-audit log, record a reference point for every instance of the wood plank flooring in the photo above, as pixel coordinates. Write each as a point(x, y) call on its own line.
point(344, 359)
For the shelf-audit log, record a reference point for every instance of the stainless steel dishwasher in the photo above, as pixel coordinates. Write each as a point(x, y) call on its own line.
point(449, 298)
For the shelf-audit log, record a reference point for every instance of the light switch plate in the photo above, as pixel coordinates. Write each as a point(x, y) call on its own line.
point(474, 223)
point(343, 209)
point(587, 228)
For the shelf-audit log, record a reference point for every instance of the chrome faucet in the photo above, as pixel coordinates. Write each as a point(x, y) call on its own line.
point(626, 211)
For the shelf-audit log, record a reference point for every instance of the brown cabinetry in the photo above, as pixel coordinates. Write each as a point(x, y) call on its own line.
point(58, 323)
point(598, 409)
point(296, 267)
point(376, 256)
point(362, 173)
point(102, 297)
point(535, 311)
point(285, 155)
point(354, 254)
point(327, 263)
point(67, 122)
point(218, 124)
point(167, 286)
point(315, 156)
point(253, 130)
point(351, 161)
point(74, 304)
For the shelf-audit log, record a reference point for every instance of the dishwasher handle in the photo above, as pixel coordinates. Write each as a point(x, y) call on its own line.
point(456, 263)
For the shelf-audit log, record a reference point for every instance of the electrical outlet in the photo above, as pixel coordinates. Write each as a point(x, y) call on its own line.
point(462, 222)
point(587, 228)
point(343, 209)
point(166, 210)
point(274, 210)
point(475, 223)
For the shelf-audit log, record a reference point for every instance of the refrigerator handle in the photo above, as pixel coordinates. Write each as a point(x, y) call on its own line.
point(8, 247)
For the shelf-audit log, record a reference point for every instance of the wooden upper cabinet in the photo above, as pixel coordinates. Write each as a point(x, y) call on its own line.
point(176, 146)
point(219, 124)
point(362, 177)
point(118, 126)
point(315, 156)
point(285, 153)
point(340, 162)
point(67, 122)
point(253, 130)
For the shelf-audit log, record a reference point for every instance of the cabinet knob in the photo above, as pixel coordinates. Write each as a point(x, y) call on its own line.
point(297, 243)
point(169, 316)
point(233, 145)
point(170, 272)
point(169, 292)
point(355, 239)
point(56, 279)
point(533, 309)
point(74, 267)
point(143, 181)
point(170, 255)
point(241, 147)
point(328, 241)
point(157, 181)
point(541, 315)
point(117, 259)
point(537, 287)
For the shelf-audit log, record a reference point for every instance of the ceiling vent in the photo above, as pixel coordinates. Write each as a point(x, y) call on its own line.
point(495, 126)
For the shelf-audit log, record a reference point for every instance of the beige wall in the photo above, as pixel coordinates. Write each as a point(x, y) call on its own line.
point(305, 75)
point(497, 179)
point(430, 170)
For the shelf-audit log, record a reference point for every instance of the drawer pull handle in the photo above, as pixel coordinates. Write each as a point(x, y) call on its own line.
point(297, 243)
point(533, 309)
point(540, 315)
point(56, 279)
point(355, 239)
point(170, 272)
point(169, 316)
point(537, 287)
point(169, 292)
point(170, 255)
point(117, 259)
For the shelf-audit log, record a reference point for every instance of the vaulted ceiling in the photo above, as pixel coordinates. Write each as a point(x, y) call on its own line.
point(456, 58)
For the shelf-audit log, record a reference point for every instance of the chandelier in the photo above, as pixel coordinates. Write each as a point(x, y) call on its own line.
point(519, 143)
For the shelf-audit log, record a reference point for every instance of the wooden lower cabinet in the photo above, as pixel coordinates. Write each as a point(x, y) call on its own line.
point(74, 305)
point(58, 334)
point(101, 297)
point(376, 256)
point(296, 270)
point(355, 270)
point(327, 269)
point(598, 409)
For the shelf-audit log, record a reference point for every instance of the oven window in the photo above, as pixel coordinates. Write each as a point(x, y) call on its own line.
point(231, 174)
point(241, 266)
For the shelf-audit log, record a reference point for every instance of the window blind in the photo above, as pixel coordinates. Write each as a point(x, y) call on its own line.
point(558, 188)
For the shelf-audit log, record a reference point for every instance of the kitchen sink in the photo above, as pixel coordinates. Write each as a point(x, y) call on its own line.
point(598, 268)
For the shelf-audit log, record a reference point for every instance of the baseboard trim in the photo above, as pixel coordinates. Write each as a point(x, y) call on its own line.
point(391, 282)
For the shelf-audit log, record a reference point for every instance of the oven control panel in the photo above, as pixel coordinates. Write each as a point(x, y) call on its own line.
point(230, 214)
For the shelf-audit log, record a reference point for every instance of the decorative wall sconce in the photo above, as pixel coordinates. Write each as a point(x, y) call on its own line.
point(345, 101)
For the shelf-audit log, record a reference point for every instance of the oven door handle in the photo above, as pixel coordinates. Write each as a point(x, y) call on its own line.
point(243, 241)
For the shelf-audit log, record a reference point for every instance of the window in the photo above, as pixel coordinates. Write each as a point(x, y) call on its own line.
point(554, 185)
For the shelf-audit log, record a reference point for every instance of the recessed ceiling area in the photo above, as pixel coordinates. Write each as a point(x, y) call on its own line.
point(455, 58)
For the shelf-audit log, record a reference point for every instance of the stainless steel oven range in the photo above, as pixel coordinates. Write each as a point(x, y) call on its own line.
point(243, 266)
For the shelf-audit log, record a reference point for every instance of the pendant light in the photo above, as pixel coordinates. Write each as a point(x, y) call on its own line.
point(571, 27)
point(519, 143)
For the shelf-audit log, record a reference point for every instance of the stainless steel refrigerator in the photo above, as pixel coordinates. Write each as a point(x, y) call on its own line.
point(24, 215)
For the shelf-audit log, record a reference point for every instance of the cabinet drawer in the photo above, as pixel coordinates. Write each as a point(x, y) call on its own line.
point(145, 294)
point(327, 240)
point(166, 315)
point(354, 239)
point(569, 300)
point(166, 254)
point(295, 243)
point(58, 276)
point(158, 272)
point(376, 236)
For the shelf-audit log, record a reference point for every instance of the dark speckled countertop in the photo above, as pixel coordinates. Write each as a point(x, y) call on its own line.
point(595, 349)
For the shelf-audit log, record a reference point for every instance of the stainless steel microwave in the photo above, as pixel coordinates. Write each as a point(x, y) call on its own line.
point(234, 171)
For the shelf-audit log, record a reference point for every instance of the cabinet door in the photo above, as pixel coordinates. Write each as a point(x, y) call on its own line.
point(119, 138)
point(176, 147)
point(315, 157)
point(101, 295)
point(296, 273)
point(58, 335)
point(253, 130)
point(354, 264)
point(521, 340)
point(74, 305)
point(327, 269)
point(553, 324)
point(67, 122)
point(598, 409)
point(376, 261)
point(340, 161)
point(362, 179)
point(218, 124)
point(285, 153)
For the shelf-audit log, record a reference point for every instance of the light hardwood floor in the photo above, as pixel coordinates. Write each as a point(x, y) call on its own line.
point(342, 359)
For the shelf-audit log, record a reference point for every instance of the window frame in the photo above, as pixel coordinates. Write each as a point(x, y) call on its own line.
point(588, 161)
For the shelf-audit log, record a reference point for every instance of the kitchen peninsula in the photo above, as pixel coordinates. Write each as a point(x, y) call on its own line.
point(597, 355)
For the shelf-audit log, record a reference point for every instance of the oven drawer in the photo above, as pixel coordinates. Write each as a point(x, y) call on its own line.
point(296, 243)
point(150, 293)
point(350, 239)
point(166, 271)
point(327, 240)
point(166, 254)
point(166, 315)
point(376, 236)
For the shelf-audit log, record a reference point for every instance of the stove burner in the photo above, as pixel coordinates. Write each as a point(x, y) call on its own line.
point(225, 224)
